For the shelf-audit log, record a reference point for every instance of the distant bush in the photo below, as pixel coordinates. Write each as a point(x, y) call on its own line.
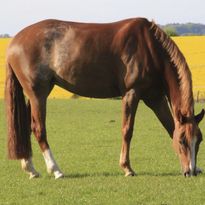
point(170, 31)
point(4, 35)
point(185, 29)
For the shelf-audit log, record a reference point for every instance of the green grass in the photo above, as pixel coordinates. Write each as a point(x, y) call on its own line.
point(85, 137)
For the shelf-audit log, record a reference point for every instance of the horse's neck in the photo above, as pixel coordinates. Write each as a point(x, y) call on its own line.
point(175, 95)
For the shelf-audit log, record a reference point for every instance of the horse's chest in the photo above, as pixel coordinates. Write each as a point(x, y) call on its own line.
point(151, 83)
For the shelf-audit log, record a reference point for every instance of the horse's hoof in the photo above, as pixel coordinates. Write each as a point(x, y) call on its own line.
point(34, 175)
point(128, 174)
point(58, 175)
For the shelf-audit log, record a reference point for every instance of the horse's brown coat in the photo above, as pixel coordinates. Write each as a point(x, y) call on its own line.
point(132, 58)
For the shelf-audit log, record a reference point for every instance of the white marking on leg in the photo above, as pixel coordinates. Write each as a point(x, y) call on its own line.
point(51, 165)
point(27, 166)
point(192, 164)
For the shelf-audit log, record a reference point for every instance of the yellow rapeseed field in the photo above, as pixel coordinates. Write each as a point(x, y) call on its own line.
point(193, 48)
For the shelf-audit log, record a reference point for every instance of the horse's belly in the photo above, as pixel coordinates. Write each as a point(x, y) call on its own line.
point(90, 87)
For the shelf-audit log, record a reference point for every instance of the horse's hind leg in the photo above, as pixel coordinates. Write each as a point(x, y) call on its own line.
point(27, 166)
point(130, 102)
point(26, 163)
point(38, 118)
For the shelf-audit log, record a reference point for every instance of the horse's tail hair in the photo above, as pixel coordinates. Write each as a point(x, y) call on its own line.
point(18, 118)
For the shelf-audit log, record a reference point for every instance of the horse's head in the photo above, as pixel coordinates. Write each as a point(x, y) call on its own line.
point(186, 140)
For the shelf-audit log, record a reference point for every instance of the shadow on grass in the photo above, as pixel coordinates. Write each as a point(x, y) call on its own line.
point(120, 174)
point(164, 174)
point(85, 175)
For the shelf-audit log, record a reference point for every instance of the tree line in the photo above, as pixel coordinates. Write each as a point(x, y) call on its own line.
point(6, 35)
point(188, 29)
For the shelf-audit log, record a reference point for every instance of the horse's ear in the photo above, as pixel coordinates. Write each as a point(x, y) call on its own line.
point(182, 119)
point(199, 117)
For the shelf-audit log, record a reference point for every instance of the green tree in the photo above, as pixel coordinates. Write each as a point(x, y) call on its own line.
point(170, 31)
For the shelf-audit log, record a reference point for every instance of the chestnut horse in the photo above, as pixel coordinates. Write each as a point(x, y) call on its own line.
point(132, 58)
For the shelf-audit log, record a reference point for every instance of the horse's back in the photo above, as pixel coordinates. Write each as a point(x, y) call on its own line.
point(79, 57)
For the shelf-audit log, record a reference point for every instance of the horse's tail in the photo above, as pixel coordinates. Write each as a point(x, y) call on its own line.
point(18, 118)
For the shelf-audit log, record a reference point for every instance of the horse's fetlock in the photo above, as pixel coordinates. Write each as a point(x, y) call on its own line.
point(124, 164)
point(51, 168)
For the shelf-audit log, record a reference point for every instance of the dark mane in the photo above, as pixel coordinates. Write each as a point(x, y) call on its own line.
point(177, 58)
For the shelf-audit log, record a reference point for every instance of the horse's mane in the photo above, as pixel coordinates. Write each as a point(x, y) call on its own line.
point(179, 61)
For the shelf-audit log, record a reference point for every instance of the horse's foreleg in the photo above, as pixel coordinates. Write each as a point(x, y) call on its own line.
point(161, 109)
point(130, 102)
point(38, 111)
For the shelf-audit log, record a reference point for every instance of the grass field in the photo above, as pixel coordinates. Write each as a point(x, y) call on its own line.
point(193, 47)
point(85, 137)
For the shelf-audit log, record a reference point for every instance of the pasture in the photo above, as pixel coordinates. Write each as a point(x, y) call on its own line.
point(85, 137)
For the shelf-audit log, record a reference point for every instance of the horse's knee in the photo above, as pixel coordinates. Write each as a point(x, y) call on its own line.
point(124, 163)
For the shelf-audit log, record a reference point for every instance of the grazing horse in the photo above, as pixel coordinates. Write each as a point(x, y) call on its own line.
point(132, 58)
